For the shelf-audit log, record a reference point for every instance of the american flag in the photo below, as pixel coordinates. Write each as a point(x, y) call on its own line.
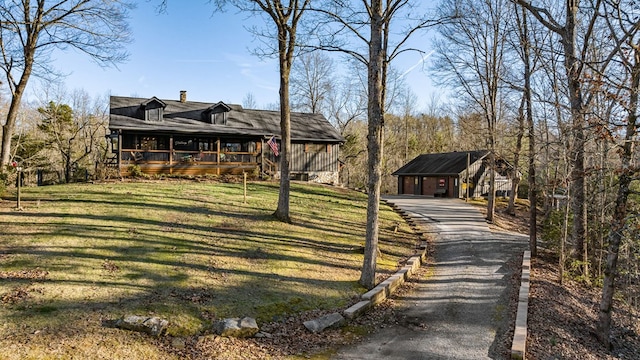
point(273, 146)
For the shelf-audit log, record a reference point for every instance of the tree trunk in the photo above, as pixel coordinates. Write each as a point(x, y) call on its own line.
point(515, 180)
point(285, 59)
point(491, 204)
point(574, 69)
point(374, 144)
point(12, 115)
point(17, 91)
point(619, 218)
point(532, 194)
point(67, 166)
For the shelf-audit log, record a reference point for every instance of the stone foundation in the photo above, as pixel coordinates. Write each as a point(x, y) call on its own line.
point(320, 177)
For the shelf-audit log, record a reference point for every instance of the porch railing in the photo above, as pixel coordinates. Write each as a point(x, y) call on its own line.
point(182, 156)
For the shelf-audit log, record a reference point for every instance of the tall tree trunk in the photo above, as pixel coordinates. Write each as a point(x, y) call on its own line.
point(286, 42)
point(515, 180)
point(67, 166)
point(17, 91)
point(491, 203)
point(574, 70)
point(374, 144)
point(619, 218)
point(532, 193)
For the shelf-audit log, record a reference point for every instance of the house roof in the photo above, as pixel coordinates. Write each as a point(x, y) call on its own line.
point(452, 163)
point(153, 100)
point(127, 114)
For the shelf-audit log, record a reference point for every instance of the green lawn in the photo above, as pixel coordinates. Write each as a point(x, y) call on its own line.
point(191, 252)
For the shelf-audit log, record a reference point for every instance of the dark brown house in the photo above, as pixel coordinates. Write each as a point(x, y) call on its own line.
point(445, 175)
point(197, 138)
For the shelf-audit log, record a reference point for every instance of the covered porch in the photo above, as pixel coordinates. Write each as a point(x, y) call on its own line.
point(190, 155)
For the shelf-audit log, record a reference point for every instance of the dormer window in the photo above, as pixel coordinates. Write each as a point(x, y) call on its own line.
point(153, 109)
point(217, 114)
point(219, 118)
point(153, 114)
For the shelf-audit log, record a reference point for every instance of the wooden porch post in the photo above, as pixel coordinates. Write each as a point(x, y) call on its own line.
point(466, 198)
point(119, 156)
point(170, 154)
point(261, 156)
point(218, 157)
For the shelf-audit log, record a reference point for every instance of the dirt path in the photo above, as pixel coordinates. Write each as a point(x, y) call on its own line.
point(461, 311)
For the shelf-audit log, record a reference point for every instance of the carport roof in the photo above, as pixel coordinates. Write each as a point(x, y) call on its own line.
point(452, 163)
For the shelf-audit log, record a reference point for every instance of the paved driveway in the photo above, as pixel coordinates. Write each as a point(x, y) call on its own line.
point(459, 312)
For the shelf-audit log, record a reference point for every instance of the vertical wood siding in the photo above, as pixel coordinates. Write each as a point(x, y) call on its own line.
point(304, 161)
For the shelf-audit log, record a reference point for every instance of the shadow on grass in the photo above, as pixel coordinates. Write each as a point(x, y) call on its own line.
point(179, 265)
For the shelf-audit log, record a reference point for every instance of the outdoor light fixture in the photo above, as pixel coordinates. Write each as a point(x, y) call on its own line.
point(113, 140)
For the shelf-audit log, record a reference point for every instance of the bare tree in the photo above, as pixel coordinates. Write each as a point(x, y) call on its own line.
point(526, 111)
point(364, 32)
point(249, 101)
point(472, 61)
point(574, 60)
point(624, 133)
point(346, 103)
point(311, 82)
point(286, 16)
point(31, 30)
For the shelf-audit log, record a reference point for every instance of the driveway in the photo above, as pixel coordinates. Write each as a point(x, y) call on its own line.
point(459, 311)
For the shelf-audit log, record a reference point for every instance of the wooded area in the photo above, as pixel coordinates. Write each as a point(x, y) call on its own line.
point(551, 87)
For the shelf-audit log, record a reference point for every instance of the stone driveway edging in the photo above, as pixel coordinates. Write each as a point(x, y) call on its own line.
point(520, 334)
point(387, 287)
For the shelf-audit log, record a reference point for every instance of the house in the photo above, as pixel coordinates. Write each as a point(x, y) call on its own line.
point(197, 138)
point(445, 175)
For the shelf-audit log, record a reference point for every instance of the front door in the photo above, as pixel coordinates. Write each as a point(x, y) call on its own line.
point(407, 185)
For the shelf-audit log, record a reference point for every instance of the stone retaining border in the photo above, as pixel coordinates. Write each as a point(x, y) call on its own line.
point(383, 290)
point(520, 334)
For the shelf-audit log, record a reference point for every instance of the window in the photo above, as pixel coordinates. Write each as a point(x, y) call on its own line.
point(219, 118)
point(216, 114)
point(315, 148)
point(237, 146)
point(141, 142)
point(153, 109)
point(184, 143)
point(153, 143)
point(153, 114)
point(204, 145)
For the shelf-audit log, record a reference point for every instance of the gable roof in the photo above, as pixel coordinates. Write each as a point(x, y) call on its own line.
point(452, 163)
point(153, 100)
point(186, 118)
point(219, 106)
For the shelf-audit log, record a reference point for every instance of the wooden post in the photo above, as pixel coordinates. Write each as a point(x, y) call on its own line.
point(262, 169)
point(19, 185)
point(245, 186)
point(119, 152)
point(467, 187)
point(171, 154)
point(218, 157)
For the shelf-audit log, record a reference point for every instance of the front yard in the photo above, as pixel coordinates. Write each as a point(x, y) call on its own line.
point(191, 252)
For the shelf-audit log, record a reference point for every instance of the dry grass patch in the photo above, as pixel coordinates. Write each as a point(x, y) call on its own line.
point(190, 252)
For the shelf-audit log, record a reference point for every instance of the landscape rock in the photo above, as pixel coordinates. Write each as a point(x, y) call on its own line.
point(154, 326)
point(327, 321)
point(178, 343)
point(241, 328)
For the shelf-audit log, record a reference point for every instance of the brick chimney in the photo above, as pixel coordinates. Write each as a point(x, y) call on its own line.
point(183, 96)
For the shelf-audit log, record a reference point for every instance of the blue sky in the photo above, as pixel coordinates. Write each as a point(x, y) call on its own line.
point(209, 55)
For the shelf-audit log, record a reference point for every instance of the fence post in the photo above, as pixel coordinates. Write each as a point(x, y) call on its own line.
point(19, 186)
point(245, 186)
